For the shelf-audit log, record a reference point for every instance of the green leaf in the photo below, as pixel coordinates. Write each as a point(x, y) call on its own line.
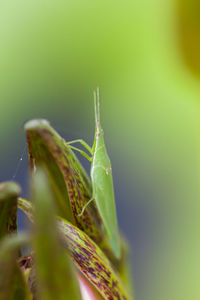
point(55, 275)
point(9, 191)
point(69, 180)
point(12, 282)
point(89, 259)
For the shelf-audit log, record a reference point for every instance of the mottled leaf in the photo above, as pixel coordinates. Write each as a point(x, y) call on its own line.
point(90, 260)
point(70, 181)
point(56, 278)
point(12, 281)
point(9, 191)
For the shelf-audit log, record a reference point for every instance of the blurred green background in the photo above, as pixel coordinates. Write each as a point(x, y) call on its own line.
point(145, 56)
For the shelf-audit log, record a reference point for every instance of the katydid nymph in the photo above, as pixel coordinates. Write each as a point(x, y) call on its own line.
point(102, 181)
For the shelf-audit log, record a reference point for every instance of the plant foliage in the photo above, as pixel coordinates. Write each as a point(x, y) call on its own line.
point(67, 250)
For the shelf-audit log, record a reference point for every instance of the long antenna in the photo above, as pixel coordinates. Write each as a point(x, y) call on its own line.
point(97, 107)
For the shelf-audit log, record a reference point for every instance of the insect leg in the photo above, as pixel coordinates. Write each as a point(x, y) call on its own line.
point(83, 143)
point(84, 207)
point(82, 152)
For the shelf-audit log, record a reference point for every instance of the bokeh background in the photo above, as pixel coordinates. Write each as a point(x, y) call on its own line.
point(145, 56)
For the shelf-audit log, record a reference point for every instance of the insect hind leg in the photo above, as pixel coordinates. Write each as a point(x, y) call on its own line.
point(83, 143)
point(82, 152)
point(85, 206)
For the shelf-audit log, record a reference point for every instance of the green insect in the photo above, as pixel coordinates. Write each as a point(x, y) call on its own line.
point(102, 181)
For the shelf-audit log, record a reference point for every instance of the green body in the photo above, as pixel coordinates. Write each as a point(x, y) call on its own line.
point(103, 192)
point(102, 184)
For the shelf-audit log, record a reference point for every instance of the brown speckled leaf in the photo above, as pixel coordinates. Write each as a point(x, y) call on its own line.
point(90, 260)
point(70, 182)
point(9, 191)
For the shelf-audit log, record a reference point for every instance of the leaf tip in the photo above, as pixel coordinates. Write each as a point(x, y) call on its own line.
point(35, 123)
point(9, 189)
